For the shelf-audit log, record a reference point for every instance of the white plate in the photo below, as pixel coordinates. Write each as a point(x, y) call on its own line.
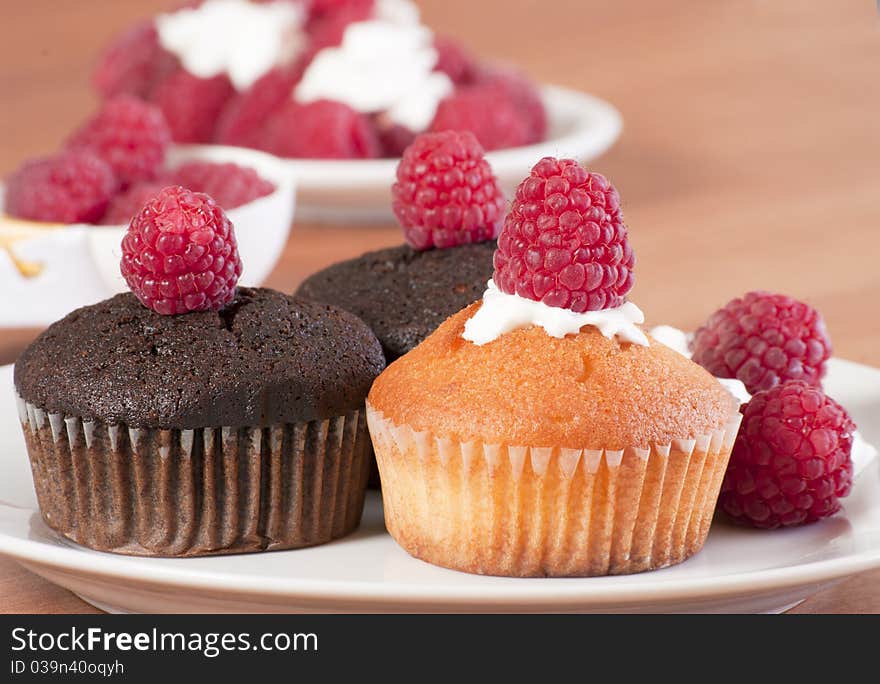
point(739, 570)
point(579, 126)
point(80, 263)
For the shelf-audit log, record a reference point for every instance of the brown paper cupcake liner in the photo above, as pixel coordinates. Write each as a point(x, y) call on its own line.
point(525, 511)
point(155, 492)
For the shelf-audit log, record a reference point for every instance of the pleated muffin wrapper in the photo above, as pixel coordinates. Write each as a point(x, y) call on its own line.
point(525, 511)
point(154, 492)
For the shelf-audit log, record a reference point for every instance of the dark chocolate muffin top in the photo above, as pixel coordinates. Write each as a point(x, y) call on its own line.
point(266, 359)
point(404, 294)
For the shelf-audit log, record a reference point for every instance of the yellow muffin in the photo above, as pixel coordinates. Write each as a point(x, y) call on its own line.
point(540, 456)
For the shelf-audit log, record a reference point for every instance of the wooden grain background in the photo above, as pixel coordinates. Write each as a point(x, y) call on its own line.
point(750, 156)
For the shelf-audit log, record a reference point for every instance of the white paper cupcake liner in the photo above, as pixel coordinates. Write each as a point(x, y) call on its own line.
point(195, 492)
point(548, 511)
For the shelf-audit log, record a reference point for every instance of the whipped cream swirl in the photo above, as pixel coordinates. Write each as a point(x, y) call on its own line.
point(385, 64)
point(502, 312)
point(241, 39)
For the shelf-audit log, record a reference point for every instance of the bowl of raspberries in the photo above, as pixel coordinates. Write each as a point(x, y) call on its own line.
point(338, 89)
point(63, 216)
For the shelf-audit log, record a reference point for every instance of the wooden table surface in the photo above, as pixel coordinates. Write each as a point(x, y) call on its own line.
point(749, 157)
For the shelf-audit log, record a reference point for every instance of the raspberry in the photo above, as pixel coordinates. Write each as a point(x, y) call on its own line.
point(180, 255)
point(192, 105)
point(360, 10)
point(321, 130)
point(329, 20)
point(495, 121)
point(133, 63)
point(242, 120)
point(764, 339)
point(564, 242)
point(394, 139)
point(521, 92)
point(454, 61)
point(126, 204)
point(446, 193)
point(72, 187)
point(130, 135)
point(791, 460)
point(229, 184)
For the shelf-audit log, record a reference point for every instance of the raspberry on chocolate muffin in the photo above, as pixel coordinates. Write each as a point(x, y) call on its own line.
point(191, 417)
point(450, 207)
point(403, 294)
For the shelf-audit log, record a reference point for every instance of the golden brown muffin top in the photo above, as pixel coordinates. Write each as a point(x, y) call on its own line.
point(527, 388)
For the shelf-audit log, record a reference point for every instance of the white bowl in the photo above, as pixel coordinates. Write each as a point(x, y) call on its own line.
point(580, 126)
point(80, 263)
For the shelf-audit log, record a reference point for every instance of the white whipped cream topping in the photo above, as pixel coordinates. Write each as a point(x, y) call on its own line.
point(502, 312)
point(416, 109)
point(242, 39)
point(379, 64)
point(397, 11)
point(672, 337)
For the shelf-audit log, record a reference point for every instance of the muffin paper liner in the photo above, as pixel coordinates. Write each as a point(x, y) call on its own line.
point(525, 511)
point(155, 492)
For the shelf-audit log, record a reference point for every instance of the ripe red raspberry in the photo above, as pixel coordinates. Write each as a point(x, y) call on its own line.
point(321, 130)
point(495, 120)
point(446, 193)
point(394, 139)
point(454, 60)
point(130, 135)
point(323, 9)
point(791, 460)
point(72, 187)
point(192, 105)
point(124, 205)
point(133, 63)
point(564, 242)
point(521, 92)
point(180, 254)
point(243, 119)
point(764, 339)
point(230, 185)
point(328, 21)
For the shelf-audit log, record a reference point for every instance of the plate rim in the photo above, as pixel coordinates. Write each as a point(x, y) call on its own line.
point(600, 122)
point(595, 591)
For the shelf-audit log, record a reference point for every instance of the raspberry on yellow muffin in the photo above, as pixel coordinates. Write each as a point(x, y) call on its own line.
point(551, 438)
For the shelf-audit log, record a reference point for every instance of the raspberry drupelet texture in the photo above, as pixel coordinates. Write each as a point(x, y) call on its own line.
point(180, 254)
point(72, 187)
point(454, 60)
point(124, 205)
point(242, 119)
point(764, 339)
point(564, 242)
point(446, 193)
point(130, 135)
point(791, 460)
point(192, 105)
point(495, 120)
point(323, 129)
point(133, 63)
point(511, 85)
point(230, 185)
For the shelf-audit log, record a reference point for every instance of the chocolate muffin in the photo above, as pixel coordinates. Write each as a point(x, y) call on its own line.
point(212, 432)
point(403, 294)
